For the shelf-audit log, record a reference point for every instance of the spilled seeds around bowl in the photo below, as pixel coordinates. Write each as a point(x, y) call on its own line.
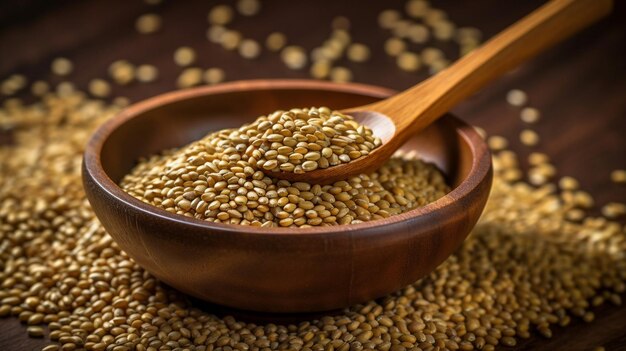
point(523, 269)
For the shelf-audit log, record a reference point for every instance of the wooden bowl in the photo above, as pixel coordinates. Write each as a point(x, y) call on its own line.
point(279, 269)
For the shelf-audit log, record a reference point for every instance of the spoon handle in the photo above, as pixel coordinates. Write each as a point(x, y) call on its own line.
point(420, 105)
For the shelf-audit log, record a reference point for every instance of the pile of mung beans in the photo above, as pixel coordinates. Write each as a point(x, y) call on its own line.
point(221, 178)
point(525, 267)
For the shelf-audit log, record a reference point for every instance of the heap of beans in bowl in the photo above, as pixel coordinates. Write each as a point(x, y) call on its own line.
point(226, 177)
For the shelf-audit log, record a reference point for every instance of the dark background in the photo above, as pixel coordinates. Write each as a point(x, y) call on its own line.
point(579, 86)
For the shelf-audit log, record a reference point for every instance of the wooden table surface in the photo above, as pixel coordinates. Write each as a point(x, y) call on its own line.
point(579, 86)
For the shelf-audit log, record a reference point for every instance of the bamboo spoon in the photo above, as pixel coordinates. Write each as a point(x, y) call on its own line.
point(395, 119)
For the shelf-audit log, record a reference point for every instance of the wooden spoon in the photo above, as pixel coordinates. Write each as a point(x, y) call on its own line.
point(395, 119)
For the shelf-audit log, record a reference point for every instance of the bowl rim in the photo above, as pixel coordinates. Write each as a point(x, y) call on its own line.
point(479, 170)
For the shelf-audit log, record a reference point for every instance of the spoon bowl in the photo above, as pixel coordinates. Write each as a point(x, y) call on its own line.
point(279, 269)
point(381, 126)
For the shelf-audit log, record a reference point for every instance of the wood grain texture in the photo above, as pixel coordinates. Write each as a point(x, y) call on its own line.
point(578, 85)
point(399, 117)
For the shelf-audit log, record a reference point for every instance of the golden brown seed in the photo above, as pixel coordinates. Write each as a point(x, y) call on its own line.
point(65, 89)
point(275, 41)
point(466, 35)
point(417, 8)
point(443, 30)
point(320, 69)
point(121, 101)
point(618, 176)
point(294, 57)
point(13, 84)
point(530, 115)
point(401, 28)
point(248, 7)
point(184, 56)
point(408, 61)
point(516, 97)
point(148, 23)
point(249, 49)
point(575, 215)
point(418, 33)
point(230, 39)
point(122, 72)
point(99, 88)
point(214, 75)
point(497, 142)
point(35, 332)
point(388, 18)
point(537, 158)
point(431, 55)
point(614, 210)
point(583, 199)
point(215, 33)
point(7, 89)
point(529, 137)
point(40, 88)
point(189, 77)
point(62, 66)
point(309, 165)
point(394, 46)
point(358, 52)
point(340, 74)
point(146, 73)
point(433, 16)
point(221, 14)
point(509, 341)
point(568, 183)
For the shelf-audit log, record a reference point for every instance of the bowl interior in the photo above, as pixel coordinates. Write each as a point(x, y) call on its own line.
point(329, 267)
point(155, 127)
